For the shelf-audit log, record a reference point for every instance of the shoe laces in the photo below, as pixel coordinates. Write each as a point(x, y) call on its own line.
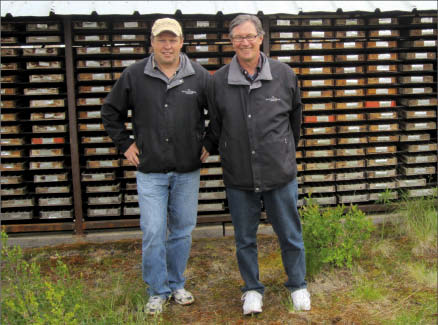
point(182, 292)
point(302, 294)
point(250, 295)
point(155, 301)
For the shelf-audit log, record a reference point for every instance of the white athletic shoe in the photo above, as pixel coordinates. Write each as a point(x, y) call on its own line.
point(183, 297)
point(301, 299)
point(253, 302)
point(155, 305)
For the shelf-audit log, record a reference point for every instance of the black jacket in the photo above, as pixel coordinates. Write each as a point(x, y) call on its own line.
point(167, 119)
point(256, 126)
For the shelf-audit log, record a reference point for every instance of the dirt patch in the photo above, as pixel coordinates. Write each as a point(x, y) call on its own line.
point(339, 296)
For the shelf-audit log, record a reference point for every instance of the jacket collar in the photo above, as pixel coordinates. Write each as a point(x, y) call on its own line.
point(184, 70)
point(236, 77)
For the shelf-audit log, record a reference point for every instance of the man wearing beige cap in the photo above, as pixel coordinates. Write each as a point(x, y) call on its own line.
point(167, 95)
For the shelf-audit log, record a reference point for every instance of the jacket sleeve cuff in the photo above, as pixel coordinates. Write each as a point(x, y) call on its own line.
point(125, 146)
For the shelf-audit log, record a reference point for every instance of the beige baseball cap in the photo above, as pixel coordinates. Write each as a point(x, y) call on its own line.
point(166, 25)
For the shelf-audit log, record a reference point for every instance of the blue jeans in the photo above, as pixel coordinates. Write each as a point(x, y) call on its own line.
point(168, 209)
point(281, 209)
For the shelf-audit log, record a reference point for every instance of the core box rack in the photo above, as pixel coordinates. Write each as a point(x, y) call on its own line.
point(368, 87)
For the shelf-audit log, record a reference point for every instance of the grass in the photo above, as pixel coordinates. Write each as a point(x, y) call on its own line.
point(367, 290)
point(388, 285)
point(421, 273)
point(393, 282)
point(419, 221)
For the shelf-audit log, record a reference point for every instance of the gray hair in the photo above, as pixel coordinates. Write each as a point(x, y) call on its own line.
point(240, 19)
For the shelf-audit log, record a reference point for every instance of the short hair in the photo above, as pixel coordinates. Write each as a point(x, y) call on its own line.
point(240, 19)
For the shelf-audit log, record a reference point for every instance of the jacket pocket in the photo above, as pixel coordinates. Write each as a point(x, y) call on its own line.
point(288, 146)
point(224, 153)
point(277, 161)
point(197, 145)
point(223, 146)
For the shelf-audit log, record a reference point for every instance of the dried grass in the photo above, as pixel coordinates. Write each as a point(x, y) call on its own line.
point(113, 270)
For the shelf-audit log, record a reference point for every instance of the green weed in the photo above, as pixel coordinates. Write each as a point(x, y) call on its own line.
point(386, 198)
point(333, 236)
point(419, 221)
point(31, 298)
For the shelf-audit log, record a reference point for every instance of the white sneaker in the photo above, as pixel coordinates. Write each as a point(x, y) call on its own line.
point(253, 302)
point(301, 299)
point(183, 297)
point(155, 305)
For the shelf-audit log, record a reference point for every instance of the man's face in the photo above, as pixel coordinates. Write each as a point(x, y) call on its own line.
point(167, 47)
point(246, 42)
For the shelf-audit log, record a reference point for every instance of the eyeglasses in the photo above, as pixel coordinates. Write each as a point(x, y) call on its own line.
point(240, 39)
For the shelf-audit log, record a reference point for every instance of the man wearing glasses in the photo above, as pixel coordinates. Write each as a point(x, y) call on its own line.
point(167, 95)
point(255, 121)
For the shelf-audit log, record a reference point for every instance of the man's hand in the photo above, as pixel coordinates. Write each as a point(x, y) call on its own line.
point(204, 154)
point(132, 154)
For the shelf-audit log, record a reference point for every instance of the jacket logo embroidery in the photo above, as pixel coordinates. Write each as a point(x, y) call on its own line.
point(272, 99)
point(189, 91)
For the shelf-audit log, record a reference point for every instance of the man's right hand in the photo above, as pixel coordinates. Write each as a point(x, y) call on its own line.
point(132, 154)
point(204, 154)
